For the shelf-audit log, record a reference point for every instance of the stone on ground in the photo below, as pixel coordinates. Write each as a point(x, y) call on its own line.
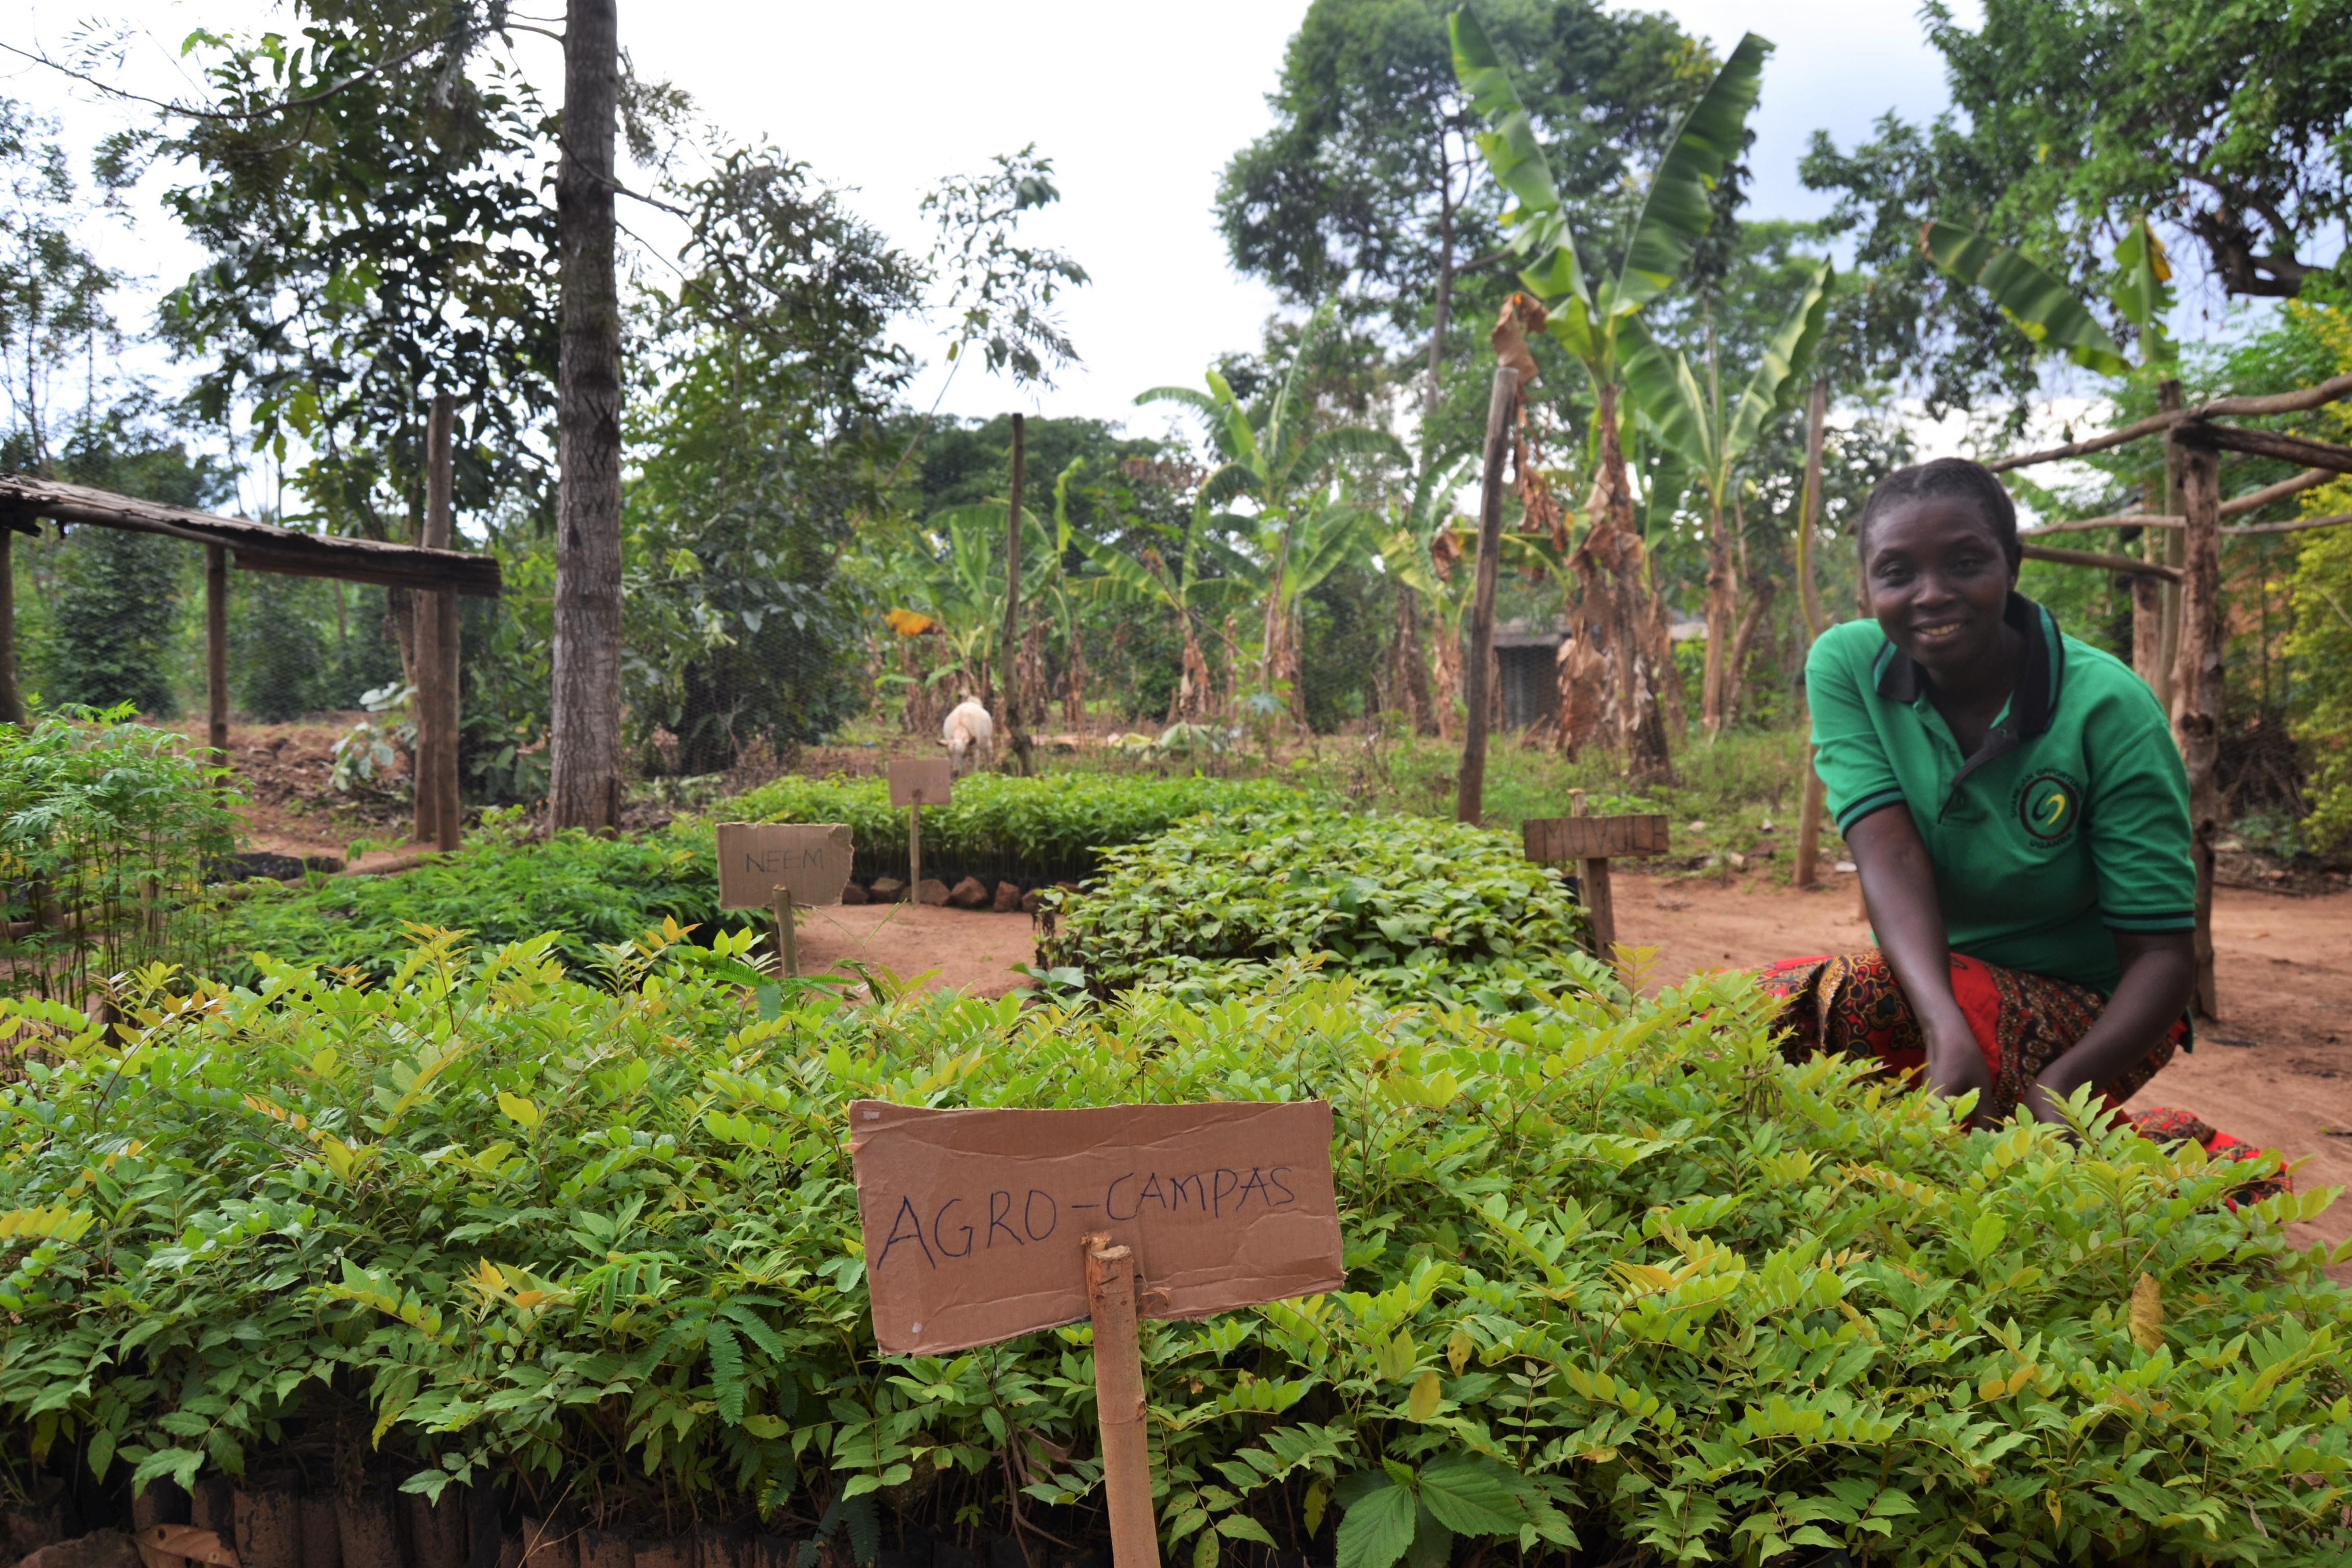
point(969, 894)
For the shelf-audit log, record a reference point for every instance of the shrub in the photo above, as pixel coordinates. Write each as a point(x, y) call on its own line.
point(1618, 1275)
point(107, 829)
point(1416, 908)
point(588, 891)
point(1053, 825)
point(277, 661)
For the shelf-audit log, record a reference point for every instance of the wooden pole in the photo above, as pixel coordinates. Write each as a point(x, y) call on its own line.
point(2197, 688)
point(1599, 898)
point(1810, 805)
point(2169, 550)
point(1009, 657)
point(1470, 790)
point(1118, 1404)
point(436, 641)
point(216, 651)
point(12, 700)
point(788, 946)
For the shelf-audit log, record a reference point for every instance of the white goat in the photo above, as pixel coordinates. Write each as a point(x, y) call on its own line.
point(969, 729)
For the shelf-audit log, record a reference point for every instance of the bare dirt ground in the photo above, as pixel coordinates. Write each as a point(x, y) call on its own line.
point(969, 950)
point(2275, 1070)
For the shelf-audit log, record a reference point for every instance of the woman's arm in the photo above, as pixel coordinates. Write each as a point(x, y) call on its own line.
point(1898, 883)
point(2159, 972)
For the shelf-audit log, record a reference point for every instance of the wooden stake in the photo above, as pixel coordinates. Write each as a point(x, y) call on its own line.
point(787, 940)
point(216, 651)
point(1008, 659)
point(2170, 548)
point(2197, 690)
point(1599, 898)
point(914, 852)
point(1808, 601)
point(1470, 790)
point(1118, 1404)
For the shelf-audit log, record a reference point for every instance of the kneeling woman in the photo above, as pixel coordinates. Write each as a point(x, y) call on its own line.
point(2019, 815)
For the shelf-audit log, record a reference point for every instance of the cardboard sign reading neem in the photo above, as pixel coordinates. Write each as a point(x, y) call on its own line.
point(756, 857)
point(973, 1218)
point(920, 781)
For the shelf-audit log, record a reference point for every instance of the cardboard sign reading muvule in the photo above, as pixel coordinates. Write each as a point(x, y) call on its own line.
point(920, 781)
point(973, 1218)
point(757, 858)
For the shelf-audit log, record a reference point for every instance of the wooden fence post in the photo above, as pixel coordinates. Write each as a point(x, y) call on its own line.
point(2197, 681)
point(435, 611)
point(1809, 600)
point(1470, 790)
point(12, 700)
point(216, 652)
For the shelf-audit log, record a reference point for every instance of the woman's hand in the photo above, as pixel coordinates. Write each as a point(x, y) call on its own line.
point(2159, 974)
point(1898, 881)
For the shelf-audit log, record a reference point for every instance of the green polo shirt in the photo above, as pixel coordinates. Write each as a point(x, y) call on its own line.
point(2070, 821)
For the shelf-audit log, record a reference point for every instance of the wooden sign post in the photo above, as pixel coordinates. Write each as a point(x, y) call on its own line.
point(774, 866)
point(1592, 842)
point(982, 1225)
point(916, 783)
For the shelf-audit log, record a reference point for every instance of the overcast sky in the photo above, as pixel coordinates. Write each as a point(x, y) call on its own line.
point(1139, 111)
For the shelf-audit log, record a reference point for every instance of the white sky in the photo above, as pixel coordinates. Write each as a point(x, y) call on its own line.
point(1138, 112)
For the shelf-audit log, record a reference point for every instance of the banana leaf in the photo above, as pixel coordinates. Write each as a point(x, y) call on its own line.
point(2044, 309)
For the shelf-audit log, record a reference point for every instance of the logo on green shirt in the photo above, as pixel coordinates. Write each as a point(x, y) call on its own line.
point(2047, 805)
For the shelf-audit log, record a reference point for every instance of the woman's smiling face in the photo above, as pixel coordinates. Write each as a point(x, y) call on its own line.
point(1939, 581)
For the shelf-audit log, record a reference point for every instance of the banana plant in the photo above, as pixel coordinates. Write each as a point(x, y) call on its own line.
point(2050, 313)
point(1692, 423)
point(1589, 320)
point(1205, 578)
point(1283, 464)
point(963, 588)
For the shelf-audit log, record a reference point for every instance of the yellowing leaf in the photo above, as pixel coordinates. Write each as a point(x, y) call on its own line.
point(1458, 1347)
point(520, 1110)
point(1204, 1550)
point(1992, 1388)
point(2148, 1314)
point(1319, 1497)
point(1423, 1402)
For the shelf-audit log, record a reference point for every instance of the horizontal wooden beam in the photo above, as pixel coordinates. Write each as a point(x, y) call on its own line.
point(2278, 443)
point(2100, 559)
point(2328, 391)
point(257, 546)
point(2291, 525)
point(2113, 520)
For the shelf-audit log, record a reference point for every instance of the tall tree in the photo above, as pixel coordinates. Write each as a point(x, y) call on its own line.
point(585, 743)
point(56, 307)
point(2222, 123)
point(1364, 190)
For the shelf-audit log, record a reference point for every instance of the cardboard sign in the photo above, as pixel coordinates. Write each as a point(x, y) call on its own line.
point(1592, 837)
point(920, 781)
point(973, 1219)
point(754, 858)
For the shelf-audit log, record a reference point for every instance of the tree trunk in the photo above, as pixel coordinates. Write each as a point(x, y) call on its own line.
point(1470, 788)
point(1444, 299)
point(1722, 607)
point(1008, 660)
point(1074, 679)
point(1743, 644)
point(435, 792)
point(2196, 688)
point(2168, 546)
point(1410, 672)
point(584, 782)
point(1626, 614)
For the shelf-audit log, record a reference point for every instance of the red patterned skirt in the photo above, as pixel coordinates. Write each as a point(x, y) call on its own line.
point(1849, 1005)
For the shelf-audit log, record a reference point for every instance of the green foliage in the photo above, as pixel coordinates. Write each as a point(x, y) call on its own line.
point(1053, 821)
point(1620, 1279)
point(278, 664)
point(1416, 908)
point(2321, 644)
point(114, 608)
point(499, 888)
point(108, 830)
point(756, 438)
